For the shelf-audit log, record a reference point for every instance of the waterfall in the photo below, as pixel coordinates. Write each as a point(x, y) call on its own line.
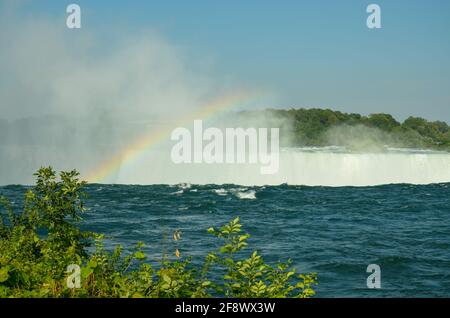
point(312, 167)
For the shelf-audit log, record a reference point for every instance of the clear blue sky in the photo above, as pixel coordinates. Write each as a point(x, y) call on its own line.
point(311, 53)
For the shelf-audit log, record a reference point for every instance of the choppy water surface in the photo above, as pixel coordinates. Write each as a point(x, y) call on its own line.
point(336, 232)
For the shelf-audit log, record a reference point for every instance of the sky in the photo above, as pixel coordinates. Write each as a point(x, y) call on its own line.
point(299, 53)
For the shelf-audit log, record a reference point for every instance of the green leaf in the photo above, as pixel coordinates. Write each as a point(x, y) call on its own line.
point(92, 263)
point(86, 271)
point(206, 284)
point(4, 275)
point(139, 255)
point(166, 278)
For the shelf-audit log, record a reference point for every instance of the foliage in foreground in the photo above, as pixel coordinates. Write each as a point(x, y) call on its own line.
point(38, 245)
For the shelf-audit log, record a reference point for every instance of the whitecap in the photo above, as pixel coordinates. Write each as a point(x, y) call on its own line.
point(246, 195)
point(221, 191)
point(185, 186)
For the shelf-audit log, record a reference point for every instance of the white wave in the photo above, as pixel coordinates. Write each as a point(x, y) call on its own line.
point(221, 191)
point(246, 195)
point(184, 186)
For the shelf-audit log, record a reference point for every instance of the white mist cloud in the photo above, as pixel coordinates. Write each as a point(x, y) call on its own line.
point(72, 98)
point(49, 69)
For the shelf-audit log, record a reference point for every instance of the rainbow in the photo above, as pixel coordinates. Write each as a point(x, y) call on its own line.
point(154, 137)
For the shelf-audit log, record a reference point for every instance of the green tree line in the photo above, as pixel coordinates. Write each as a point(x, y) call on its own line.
point(316, 127)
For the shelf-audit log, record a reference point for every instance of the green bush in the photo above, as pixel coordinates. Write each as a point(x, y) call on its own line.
point(38, 245)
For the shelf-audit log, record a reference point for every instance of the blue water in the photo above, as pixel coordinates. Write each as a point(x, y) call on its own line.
point(337, 232)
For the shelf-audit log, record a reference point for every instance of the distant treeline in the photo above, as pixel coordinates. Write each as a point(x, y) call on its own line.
point(298, 127)
point(325, 127)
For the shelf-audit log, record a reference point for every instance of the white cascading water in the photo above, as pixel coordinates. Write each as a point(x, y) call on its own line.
point(298, 167)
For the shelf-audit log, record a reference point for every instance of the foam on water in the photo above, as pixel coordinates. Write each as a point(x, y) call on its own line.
point(336, 232)
point(221, 191)
point(246, 195)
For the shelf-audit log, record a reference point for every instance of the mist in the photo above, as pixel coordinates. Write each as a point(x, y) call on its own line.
point(72, 99)
point(318, 167)
point(360, 138)
point(75, 99)
point(353, 156)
